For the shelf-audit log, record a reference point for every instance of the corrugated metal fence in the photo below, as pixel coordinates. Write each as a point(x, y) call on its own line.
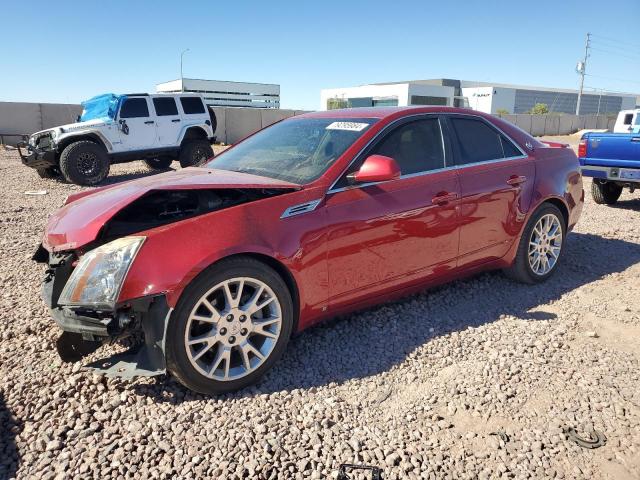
point(17, 118)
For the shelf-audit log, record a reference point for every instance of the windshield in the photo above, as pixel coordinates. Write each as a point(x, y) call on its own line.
point(102, 107)
point(297, 150)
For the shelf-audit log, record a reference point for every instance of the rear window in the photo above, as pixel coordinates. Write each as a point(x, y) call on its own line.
point(134, 108)
point(165, 106)
point(192, 105)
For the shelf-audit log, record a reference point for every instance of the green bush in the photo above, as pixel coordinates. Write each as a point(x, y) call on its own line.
point(502, 111)
point(539, 109)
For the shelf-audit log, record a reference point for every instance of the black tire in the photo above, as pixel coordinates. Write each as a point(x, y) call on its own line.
point(195, 152)
point(48, 172)
point(605, 193)
point(214, 120)
point(159, 163)
point(521, 269)
point(178, 362)
point(84, 163)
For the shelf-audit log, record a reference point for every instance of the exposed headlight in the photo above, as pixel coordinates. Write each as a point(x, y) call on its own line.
point(100, 273)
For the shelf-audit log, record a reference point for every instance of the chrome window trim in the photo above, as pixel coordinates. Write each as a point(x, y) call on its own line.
point(426, 172)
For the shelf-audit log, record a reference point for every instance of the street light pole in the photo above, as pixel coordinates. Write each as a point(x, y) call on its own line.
point(181, 77)
point(582, 69)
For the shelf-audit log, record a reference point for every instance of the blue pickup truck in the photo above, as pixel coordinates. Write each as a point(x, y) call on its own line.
point(613, 160)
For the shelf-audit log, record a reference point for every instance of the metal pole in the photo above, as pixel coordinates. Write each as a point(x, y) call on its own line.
point(181, 77)
point(582, 72)
point(599, 98)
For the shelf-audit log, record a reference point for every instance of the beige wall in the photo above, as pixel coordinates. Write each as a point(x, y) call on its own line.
point(236, 123)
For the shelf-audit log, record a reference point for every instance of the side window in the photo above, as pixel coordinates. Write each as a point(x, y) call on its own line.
point(165, 106)
point(628, 118)
point(509, 149)
point(477, 141)
point(134, 108)
point(416, 146)
point(192, 105)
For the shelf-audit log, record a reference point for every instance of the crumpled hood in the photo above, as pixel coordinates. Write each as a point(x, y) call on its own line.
point(79, 222)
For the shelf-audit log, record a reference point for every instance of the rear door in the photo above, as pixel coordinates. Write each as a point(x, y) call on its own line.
point(496, 185)
point(167, 120)
point(385, 235)
point(140, 130)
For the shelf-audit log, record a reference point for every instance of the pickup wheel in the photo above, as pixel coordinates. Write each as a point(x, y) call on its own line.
point(84, 163)
point(541, 246)
point(605, 193)
point(195, 152)
point(232, 323)
point(159, 163)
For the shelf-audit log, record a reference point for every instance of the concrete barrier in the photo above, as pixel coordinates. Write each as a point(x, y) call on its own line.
point(236, 123)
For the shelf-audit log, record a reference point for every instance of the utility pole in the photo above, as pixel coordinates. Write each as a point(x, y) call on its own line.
point(181, 77)
point(582, 67)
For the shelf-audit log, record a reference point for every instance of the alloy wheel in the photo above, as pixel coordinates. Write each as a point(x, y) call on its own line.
point(233, 328)
point(545, 244)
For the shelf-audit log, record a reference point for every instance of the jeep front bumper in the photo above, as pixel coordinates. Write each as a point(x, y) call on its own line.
point(84, 329)
point(36, 158)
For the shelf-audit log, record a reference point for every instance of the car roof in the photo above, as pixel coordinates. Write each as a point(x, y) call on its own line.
point(384, 112)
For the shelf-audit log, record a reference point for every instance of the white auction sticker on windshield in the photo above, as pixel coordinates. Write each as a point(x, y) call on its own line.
point(351, 126)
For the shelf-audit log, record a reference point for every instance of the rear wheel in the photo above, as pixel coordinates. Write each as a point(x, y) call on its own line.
point(605, 193)
point(159, 163)
point(195, 152)
point(84, 163)
point(540, 246)
point(230, 326)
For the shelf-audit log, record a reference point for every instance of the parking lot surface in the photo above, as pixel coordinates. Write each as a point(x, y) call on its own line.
point(476, 379)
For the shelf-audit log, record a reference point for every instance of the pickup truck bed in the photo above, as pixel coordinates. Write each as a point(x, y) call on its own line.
point(613, 161)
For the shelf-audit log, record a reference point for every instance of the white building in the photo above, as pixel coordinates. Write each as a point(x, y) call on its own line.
point(482, 96)
point(390, 94)
point(218, 93)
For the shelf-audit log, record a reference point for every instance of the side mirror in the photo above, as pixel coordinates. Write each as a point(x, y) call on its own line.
point(124, 128)
point(376, 168)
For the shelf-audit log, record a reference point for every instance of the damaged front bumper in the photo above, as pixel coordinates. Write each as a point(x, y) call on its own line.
point(84, 329)
point(36, 157)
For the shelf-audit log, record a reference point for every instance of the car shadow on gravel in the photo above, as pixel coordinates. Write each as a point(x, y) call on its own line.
point(9, 455)
point(373, 341)
point(627, 204)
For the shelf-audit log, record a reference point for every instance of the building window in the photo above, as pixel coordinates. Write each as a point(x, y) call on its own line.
point(426, 100)
point(385, 102)
point(336, 103)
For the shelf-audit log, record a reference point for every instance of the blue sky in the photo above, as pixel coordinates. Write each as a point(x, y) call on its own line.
point(67, 51)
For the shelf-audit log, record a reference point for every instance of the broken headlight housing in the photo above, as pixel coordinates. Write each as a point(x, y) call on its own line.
point(97, 279)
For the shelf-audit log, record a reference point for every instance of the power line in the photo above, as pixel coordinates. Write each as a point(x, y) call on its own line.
point(616, 53)
point(600, 43)
point(613, 78)
point(616, 41)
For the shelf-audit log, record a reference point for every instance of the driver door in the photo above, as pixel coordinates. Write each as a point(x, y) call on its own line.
point(383, 236)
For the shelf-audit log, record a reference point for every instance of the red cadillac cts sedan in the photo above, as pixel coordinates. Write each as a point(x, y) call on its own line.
point(215, 267)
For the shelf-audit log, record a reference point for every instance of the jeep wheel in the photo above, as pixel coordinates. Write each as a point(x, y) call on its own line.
point(605, 193)
point(195, 152)
point(84, 163)
point(160, 163)
point(48, 172)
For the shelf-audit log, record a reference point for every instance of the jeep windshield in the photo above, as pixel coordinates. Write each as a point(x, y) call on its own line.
point(101, 107)
point(297, 150)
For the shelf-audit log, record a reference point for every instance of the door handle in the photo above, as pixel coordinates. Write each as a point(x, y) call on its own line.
point(635, 139)
point(148, 122)
point(444, 197)
point(175, 120)
point(516, 180)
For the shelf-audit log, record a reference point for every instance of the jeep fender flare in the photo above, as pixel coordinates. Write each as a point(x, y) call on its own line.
point(96, 137)
point(194, 131)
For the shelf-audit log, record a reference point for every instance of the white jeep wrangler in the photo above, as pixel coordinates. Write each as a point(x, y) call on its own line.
point(119, 128)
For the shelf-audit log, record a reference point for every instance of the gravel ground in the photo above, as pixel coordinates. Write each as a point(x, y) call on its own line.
point(417, 387)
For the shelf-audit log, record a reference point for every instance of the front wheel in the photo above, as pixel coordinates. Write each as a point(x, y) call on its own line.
point(195, 152)
point(540, 246)
point(84, 163)
point(230, 326)
point(605, 193)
